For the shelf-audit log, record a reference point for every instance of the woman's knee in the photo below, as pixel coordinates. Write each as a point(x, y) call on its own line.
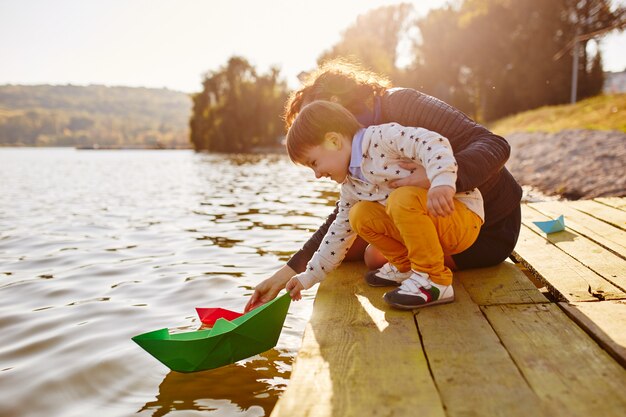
point(373, 258)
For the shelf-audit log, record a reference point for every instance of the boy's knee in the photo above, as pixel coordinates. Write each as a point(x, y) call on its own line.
point(360, 213)
point(407, 197)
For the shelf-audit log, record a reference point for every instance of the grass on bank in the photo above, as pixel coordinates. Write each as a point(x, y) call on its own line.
point(603, 112)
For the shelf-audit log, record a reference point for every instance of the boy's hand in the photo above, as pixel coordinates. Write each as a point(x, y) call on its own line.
point(441, 200)
point(268, 289)
point(294, 287)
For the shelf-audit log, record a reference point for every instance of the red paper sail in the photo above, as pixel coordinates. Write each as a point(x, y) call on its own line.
point(210, 315)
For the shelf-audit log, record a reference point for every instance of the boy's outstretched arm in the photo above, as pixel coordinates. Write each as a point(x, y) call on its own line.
point(294, 286)
point(268, 289)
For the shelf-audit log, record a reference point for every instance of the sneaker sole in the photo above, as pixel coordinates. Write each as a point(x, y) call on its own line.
point(382, 283)
point(414, 307)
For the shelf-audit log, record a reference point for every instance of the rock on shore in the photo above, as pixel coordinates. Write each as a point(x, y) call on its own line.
point(576, 164)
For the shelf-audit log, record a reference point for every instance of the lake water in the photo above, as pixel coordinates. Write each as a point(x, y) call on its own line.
point(99, 246)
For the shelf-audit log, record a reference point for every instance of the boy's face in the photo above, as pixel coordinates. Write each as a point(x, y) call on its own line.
point(331, 158)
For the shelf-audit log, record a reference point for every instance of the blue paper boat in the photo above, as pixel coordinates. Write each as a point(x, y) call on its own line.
point(552, 226)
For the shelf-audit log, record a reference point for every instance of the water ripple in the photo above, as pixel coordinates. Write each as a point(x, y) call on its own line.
point(96, 247)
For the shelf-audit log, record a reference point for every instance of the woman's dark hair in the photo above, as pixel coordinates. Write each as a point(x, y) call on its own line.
point(351, 85)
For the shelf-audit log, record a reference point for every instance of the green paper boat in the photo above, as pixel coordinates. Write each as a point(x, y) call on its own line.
point(226, 342)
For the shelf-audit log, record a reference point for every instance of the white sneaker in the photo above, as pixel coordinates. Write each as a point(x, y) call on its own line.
point(387, 275)
point(419, 291)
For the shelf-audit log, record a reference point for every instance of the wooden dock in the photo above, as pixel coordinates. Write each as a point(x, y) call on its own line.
point(504, 348)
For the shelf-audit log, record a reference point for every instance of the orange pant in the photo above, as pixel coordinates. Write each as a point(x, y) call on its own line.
point(409, 237)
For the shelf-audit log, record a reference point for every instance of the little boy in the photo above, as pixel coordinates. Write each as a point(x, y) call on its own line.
point(414, 228)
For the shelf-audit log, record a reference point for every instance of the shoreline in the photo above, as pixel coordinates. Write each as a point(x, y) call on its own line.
point(572, 164)
point(569, 164)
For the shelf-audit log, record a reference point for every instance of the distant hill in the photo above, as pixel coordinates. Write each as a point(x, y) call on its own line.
point(95, 115)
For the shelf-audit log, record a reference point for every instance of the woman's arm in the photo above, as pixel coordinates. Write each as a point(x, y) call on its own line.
point(335, 244)
point(299, 260)
point(268, 289)
point(480, 154)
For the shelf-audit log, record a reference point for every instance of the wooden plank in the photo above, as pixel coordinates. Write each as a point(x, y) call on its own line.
point(564, 366)
point(473, 371)
point(600, 211)
point(606, 264)
point(605, 322)
point(617, 202)
point(500, 284)
point(604, 234)
point(358, 357)
point(566, 278)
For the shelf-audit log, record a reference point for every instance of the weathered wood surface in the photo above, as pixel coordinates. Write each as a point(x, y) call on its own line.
point(617, 202)
point(358, 357)
point(605, 321)
point(473, 371)
point(604, 212)
point(501, 284)
point(566, 369)
point(501, 349)
point(565, 277)
point(602, 233)
point(585, 262)
point(607, 265)
point(589, 253)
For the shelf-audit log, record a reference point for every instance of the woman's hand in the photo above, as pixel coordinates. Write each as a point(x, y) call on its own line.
point(418, 177)
point(268, 290)
point(441, 200)
point(294, 287)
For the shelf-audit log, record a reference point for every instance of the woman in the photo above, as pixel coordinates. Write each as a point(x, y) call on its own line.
point(480, 155)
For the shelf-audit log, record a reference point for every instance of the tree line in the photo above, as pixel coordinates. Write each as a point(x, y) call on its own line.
point(238, 109)
point(93, 116)
point(489, 58)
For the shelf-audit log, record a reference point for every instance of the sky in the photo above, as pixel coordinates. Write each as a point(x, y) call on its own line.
point(172, 43)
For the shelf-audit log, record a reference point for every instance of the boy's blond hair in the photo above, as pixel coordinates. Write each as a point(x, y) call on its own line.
point(354, 87)
point(313, 122)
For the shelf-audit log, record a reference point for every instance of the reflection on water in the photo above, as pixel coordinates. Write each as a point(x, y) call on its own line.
point(98, 246)
point(261, 378)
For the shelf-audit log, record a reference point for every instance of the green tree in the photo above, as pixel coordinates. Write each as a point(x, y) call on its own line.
point(238, 109)
point(375, 38)
point(439, 68)
point(496, 57)
point(588, 21)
